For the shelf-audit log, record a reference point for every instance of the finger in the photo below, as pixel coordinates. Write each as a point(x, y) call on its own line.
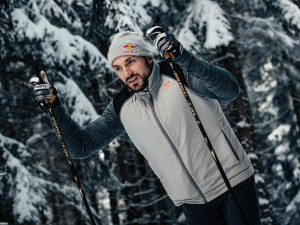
point(165, 48)
point(162, 45)
point(42, 87)
point(155, 29)
point(45, 78)
point(43, 92)
point(159, 38)
point(42, 98)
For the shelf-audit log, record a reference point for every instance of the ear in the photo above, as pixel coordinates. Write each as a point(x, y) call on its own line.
point(150, 60)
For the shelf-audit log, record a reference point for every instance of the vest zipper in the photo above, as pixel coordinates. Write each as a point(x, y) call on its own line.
point(174, 147)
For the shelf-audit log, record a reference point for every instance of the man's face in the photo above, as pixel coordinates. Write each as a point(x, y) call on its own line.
point(134, 71)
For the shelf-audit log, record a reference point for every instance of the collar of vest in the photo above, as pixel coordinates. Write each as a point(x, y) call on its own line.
point(153, 81)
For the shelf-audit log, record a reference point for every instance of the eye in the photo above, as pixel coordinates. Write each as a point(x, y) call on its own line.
point(116, 68)
point(131, 61)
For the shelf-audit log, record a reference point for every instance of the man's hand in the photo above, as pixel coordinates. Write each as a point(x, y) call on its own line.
point(164, 42)
point(43, 89)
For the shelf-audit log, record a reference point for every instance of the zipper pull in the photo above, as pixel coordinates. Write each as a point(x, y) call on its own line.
point(148, 94)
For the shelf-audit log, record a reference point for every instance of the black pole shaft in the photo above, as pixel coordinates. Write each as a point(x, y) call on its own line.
point(207, 141)
point(72, 167)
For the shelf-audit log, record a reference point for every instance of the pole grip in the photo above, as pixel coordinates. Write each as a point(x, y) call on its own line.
point(168, 56)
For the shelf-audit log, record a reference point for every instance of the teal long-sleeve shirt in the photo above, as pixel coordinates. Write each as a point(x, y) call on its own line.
point(202, 77)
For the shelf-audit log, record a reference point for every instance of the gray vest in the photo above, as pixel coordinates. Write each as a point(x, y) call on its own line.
point(161, 126)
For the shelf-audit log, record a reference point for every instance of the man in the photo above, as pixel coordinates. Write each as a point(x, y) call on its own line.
point(152, 110)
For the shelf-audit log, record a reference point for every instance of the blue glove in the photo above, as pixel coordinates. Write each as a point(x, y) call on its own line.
point(164, 42)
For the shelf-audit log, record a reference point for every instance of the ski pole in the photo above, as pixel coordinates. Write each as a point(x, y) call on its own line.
point(168, 56)
point(35, 81)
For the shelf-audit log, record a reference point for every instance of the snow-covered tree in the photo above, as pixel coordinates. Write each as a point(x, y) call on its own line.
point(257, 40)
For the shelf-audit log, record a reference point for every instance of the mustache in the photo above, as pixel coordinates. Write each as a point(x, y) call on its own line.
point(131, 76)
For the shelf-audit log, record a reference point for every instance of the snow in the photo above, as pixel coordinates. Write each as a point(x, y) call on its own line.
point(159, 3)
point(252, 156)
point(290, 11)
point(101, 155)
point(269, 82)
point(49, 7)
point(7, 140)
point(103, 197)
point(282, 149)
point(288, 185)
point(268, 106)
point(140, 12)
point(205, 14)
point(83, 110)
point(296, 173)
point(263, 201)
point(294, 204)
point(143, 18)
point(122, 19)
point(33, 139)
point(279, 170)
point(269, 29)
point(259, 179)
point(58, 43)
point(28, 193)
point(2, 174)
point(243, 123)
point(278, 133)
point(268, 66)
point(131, 15)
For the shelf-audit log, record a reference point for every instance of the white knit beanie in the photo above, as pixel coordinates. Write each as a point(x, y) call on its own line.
point(127, 43)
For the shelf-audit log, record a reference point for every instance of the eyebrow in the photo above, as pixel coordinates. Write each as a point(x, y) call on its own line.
point(130, 57)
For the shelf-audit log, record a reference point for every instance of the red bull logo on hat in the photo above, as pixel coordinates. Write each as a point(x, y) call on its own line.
point(129, 49)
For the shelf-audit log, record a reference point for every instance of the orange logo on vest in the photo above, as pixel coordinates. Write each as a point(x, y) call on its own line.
point(166, 85)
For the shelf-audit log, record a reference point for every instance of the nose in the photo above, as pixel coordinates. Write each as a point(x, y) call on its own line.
point(127, 72)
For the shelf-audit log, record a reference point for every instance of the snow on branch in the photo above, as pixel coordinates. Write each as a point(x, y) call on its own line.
point(290, 12)
point(83, 110)
point(50, 9)
point(29, 193)
point(279, 132)
point(58, 45)
point(122, 20)
point(208, 16)
point(294, 204)
point(268, 28)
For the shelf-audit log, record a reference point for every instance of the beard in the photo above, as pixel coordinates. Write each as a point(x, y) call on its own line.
point(138, 87)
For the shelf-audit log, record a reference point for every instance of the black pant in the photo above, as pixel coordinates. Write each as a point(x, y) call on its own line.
point(223, 210)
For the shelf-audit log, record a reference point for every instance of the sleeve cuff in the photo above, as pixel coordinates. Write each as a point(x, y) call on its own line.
point(56, 102)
